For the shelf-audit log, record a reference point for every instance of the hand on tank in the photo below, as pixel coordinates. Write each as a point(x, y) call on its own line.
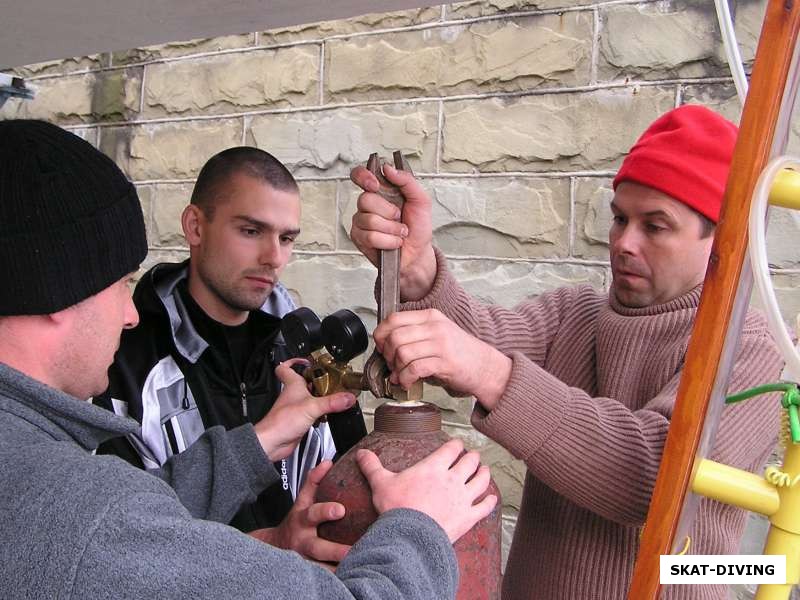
point(294, 412)
point(419, 344)
point(376, 226)
point(298, 530)
point(442, 485)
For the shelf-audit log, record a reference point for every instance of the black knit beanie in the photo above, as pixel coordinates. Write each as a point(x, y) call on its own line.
point(70, 222)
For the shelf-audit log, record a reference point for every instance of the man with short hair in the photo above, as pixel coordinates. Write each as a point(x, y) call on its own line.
point(76, 525)
point(208, 341)
point(581, 384)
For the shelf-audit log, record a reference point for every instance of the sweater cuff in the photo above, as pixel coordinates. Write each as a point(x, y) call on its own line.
point(426, 536)
point(400, 519)
point(256, 466)
point(530, 410)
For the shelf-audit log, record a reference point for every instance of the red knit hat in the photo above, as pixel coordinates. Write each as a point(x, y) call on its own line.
point(686, 153)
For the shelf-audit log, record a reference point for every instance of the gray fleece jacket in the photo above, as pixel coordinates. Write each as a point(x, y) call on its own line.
point(74, 525)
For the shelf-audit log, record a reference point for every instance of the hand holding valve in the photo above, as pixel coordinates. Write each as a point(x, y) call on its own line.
point(344, 336)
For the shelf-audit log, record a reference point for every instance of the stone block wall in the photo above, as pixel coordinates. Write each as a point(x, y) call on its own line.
point(514, 114)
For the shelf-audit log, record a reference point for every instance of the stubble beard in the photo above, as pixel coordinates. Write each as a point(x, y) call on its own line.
point(232, 296)
point(628, 297)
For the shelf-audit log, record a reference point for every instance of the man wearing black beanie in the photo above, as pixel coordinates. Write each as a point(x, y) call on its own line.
point(77, 525)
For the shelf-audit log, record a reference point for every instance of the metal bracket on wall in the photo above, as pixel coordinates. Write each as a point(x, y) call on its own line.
point(13, 86)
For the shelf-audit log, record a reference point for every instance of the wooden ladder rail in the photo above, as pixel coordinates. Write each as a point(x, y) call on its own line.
point(713, 342)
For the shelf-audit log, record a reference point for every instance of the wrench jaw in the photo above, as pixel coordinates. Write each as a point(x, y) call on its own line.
point(376, 375)
point(376, 380)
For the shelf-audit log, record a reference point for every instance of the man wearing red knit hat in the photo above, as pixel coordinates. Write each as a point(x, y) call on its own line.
point(580, 384)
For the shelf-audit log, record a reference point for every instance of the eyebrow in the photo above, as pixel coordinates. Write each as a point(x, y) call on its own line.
point(653, 213)
point(264, 225)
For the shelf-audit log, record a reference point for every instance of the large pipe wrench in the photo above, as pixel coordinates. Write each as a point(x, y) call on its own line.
point(376, 371)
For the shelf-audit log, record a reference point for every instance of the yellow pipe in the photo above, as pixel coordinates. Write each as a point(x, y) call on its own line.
point(784, 534)
point(782, 542)
point(773, 592)
point(788, 517)
point(785, 190)
point(736, 487)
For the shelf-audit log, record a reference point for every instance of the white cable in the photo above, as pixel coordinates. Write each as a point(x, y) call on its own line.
point(758, 259)
point(731, 48)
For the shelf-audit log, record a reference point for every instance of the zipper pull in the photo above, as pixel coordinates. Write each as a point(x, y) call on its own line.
point(185, 401)
point(243, 387)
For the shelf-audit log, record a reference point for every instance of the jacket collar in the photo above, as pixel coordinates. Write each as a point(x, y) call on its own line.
point(164, 279)
point(157, 291)
point(62, 416)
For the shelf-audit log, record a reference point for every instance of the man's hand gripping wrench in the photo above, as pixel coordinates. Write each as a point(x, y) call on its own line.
point(376, 371)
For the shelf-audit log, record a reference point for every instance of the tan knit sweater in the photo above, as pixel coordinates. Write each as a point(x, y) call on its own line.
point(587, 409)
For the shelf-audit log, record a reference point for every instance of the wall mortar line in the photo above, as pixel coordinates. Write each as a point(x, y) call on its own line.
point(571, 244)
point(437, 165)
point(142, 90)
point(422, 175)
point(322, 52)
point(595, 47)
point(415, 100)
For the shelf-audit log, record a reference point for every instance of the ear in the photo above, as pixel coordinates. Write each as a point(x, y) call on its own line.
point(192, 220)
